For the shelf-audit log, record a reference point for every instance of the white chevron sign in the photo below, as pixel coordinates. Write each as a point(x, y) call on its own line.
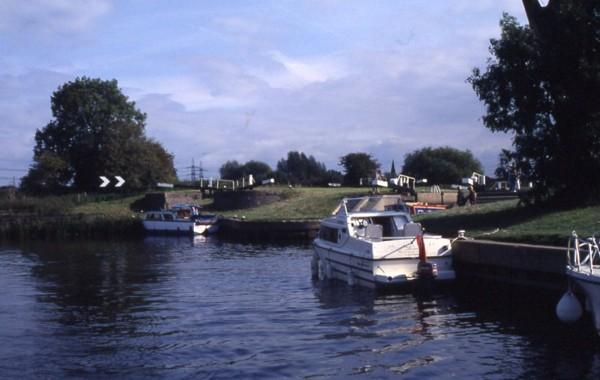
point(105, 181)
point(120, 181)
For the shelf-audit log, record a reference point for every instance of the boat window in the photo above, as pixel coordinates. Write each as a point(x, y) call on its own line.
point(374, 204)
point(400, 221)
point(168, 217)
point(329, 234)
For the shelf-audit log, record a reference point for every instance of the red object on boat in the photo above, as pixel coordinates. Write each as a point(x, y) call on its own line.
point(421, 245)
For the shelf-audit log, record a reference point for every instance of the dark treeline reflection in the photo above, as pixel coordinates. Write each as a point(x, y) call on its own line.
point(103, 282)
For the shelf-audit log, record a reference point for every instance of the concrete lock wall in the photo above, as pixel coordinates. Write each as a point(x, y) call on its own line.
point(165, 200)
point(517, 264)
point(234, 200)
point(183, 197)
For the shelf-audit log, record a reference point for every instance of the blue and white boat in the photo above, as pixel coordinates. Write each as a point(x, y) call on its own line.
point(181, 219)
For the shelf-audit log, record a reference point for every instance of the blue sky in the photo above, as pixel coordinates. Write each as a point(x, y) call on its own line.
point(254, 79)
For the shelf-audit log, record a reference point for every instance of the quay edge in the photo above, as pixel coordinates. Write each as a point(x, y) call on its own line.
point(528, 266)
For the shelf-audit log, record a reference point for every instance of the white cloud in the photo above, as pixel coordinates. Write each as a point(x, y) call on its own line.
point(49, 17)
point(296, 73)
point(192, 94)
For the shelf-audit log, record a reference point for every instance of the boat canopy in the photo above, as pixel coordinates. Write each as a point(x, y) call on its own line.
point(375, 204)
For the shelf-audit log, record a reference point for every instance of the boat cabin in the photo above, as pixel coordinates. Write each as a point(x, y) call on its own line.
point(165, 216)
point(369, 218)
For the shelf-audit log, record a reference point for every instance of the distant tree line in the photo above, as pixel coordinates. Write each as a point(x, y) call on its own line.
point(443, 165)
point(296, 169)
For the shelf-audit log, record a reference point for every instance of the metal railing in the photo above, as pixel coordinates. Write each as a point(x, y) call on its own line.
point(584, 253)
point(224, 184)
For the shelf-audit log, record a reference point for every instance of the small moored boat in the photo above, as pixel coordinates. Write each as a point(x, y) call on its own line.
point(373, 242)
point(182, 219)
point(583, 269)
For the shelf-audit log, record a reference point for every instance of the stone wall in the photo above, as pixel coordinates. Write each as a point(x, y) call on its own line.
point(234, 200)
point(528, 265)
point(165, 200)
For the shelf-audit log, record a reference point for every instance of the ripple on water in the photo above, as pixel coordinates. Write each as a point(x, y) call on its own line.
point(183, 308)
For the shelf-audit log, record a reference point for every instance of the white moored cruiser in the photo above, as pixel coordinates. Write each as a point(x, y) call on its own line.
point(373, 242)
point(170, 221)
point(583, 268)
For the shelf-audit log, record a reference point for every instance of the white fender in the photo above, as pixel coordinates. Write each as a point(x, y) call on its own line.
point(568, 309)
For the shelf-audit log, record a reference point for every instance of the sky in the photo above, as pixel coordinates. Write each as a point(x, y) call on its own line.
point(252, 80)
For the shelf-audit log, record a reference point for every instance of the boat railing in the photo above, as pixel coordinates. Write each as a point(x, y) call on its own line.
point(582, 253)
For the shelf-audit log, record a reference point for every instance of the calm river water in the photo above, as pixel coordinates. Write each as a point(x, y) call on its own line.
point(181, 308)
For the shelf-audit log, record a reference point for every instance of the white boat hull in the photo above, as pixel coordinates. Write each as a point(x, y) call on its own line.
point(373, 272)
point(373, 242)
point(211, 226)
point(590, 284)
point(181, 227)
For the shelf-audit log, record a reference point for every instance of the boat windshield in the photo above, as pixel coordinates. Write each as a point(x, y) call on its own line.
point(374, 204)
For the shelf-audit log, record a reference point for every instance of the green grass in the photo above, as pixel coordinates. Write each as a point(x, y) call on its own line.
point(68, 216)
point(301, 203)
point(508, 221)
point(113, 208)
point(73, 215)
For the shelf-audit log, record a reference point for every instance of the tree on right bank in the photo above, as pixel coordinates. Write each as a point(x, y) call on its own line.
point(542, 84)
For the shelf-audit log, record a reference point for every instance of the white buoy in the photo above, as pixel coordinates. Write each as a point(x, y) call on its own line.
point(350, 278)
point(568, 309)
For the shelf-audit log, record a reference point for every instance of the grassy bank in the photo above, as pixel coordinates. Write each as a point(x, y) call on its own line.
point(69, 216)
point(502, 221)
point(508, 221)
point(302, 203)
point(110, 215)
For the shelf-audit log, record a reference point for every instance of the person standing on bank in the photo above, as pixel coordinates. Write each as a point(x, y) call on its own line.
point(472, 195)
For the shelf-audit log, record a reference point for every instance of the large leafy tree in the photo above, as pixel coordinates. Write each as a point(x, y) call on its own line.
point(231, 170)
point(234, 170)
point(259, 170)
point(298, 168)
point(358, 165)
point(505, 160)
point(96, 131)
point(542, 84)
point(444, 165)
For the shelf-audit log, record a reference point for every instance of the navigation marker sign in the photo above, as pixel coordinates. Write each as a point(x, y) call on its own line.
point(105, 181)
point(120, 181)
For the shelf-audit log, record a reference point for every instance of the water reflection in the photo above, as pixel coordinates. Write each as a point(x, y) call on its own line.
point(182, 307)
